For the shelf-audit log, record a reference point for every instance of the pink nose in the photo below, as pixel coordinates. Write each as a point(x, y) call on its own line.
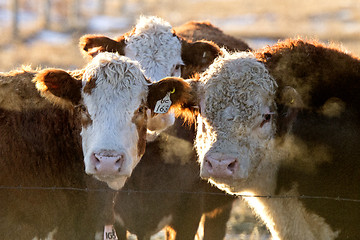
point(107, 162)
point(222, 167)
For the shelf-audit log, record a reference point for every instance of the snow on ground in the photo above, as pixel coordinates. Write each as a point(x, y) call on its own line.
point(108, 23)
point(52, 37)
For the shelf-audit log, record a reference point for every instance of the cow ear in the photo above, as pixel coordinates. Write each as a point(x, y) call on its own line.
point(91, 45)
point(197, 56)
point(289, 104)
point(181, 94)
point(58, 87)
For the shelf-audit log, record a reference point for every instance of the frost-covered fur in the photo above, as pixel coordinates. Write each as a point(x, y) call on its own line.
point(237, 96)
point(155, 47)
point(120, 84)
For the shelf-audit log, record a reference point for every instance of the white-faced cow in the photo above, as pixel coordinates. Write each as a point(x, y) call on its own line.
point(280, 127)
point(153, 43)
point(46, 147)
point(160, 52)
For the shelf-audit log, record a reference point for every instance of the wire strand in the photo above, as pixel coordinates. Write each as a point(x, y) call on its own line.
point(131, 191)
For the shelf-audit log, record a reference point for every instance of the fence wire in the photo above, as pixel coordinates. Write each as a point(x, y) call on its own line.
point(131, 191)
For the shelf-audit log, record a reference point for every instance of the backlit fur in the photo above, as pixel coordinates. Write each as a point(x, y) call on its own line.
point(307, 161)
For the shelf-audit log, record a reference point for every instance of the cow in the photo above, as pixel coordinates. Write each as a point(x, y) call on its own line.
point(160, 52)
point(279, 127)
point(157, 40)
point(165, 190)
point(93, 119)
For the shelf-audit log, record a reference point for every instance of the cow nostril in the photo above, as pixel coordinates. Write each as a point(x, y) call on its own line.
point(232, 166)
point(208, 163)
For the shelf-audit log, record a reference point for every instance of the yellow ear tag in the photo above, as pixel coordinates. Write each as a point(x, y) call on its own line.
point(172, 91)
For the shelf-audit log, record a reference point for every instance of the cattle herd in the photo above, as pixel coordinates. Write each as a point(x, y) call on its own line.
point(165, 125)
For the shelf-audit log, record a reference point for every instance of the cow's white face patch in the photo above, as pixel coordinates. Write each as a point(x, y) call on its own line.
point(155, 47)
point(114, 115)
point(237, 120)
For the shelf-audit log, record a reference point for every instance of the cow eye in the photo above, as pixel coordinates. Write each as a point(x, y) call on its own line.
point(266, 118)
point(80, 108)
point(141, 109)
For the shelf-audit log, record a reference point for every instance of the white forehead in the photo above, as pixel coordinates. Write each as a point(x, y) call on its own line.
point(155, 46)
point(237, 81)
point(118, 81)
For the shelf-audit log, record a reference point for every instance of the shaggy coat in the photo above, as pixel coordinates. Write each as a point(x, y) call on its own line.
point(286, 141)
point(153, 43)
point(31, 130)
point(45, 146)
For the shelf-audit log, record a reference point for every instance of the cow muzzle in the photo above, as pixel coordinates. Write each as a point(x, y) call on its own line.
point(219, 166)
point(108, 163)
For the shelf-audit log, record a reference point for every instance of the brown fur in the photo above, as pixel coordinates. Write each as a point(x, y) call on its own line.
point(17, 92)
point(90, 85)
point(93, 44)
point(140, 120)
point(159, 89)
point(60, 84)
point(40, 147)
point(163, 189)
point(319, 74)
point(197, 56)
point(197, 30)
point(193, 33)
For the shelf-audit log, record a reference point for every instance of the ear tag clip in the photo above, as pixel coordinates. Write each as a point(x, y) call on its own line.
point(163, 105)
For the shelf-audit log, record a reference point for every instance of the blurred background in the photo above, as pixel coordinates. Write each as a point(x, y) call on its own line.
point(45, 33)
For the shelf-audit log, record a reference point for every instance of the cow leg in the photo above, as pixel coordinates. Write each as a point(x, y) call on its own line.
point(215, 223)
point(186, 221)
point(120, 231)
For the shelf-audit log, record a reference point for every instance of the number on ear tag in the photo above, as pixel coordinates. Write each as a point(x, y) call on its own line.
point(163, 105)
point(109, 233)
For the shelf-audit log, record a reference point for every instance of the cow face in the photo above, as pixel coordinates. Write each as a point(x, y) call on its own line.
point(237, 121)
point(160, 52)
point(112, 97)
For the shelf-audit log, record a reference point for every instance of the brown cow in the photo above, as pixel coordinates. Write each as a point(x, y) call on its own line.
point(46, 147)
point(280, 127)
point(152, 32)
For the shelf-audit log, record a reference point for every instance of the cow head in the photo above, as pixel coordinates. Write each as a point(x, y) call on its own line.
point(160, 52)
point(239, 117)
point(112, 97)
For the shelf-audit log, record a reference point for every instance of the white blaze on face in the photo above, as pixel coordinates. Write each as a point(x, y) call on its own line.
point(236, 122)
point(155, 47)
point(114, 89)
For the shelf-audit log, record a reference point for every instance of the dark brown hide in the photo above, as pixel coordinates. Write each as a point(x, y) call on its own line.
point(198, 30)
point(166, 183)
point(319, 74)
point(93, 44)
point(59, 83)
point(179, 89)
